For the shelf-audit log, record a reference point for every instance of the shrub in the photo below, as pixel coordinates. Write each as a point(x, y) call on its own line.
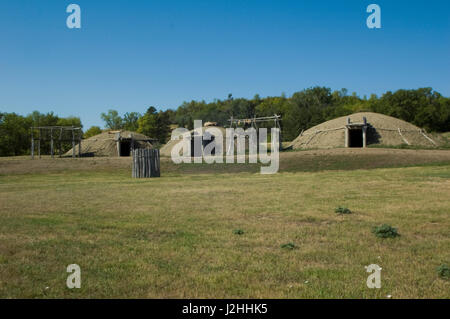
point(444, 271)
point(342, 210)
point(238, 232)
point(289, 246)
point(385, 231)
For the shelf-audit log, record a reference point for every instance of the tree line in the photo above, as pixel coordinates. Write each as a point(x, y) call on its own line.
point(15, 133)
point(423, 107)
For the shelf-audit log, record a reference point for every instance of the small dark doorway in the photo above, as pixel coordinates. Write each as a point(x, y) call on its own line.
point(355, 138)
point(208, 139)
point(125, 148)
point(203, 142)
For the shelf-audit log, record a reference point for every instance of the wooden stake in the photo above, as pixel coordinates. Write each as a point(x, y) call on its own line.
point(32, 144)
point(60, 142)
point(73, 143)
point(39, 144)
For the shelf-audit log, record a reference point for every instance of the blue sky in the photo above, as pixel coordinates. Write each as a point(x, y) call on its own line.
point(129, 55)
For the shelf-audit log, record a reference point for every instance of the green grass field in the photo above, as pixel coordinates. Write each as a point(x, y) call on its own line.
point(173, 237)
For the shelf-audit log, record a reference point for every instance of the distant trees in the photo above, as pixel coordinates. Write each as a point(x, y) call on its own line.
point(69, 121)
point(155, 124)
point(423, 107)
point(112, 120)
point(130, 121)
point(92, 131)
point(15, 136)
point(305, 109)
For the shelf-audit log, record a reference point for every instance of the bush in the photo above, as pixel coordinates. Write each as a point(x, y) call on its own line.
point(342, 210)
point(385, 231)
point(289, 246)
point(443, 271)
point(238, 232)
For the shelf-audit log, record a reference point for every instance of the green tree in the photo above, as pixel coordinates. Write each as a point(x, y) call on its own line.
point(14, 134)
point(112, 120)
point(69, 121)
point(423, 107)
point(155, 124)
point(130, 121)
point(41, 119)
point(92, 131)
point(306, 108)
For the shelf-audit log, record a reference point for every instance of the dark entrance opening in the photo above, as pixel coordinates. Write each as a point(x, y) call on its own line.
point(209, 138)
point(125, 148)
point(355, 138)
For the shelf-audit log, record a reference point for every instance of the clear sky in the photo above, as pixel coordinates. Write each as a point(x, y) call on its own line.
point(129, 55)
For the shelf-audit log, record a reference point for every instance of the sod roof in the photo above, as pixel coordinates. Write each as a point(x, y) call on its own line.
point(382, 130)
point(104, 144)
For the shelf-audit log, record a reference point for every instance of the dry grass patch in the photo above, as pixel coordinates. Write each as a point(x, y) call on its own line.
point(173, 236)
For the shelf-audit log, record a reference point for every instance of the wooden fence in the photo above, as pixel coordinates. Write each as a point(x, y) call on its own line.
point(146, 163)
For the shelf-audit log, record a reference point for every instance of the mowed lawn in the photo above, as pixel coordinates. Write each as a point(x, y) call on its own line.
point(173, 237)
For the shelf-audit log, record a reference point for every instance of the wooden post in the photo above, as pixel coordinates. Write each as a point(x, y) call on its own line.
point(51, 143)
point(364, 132)
point(157, 163)
point(364, 136)
point(32, 144)
point(60, 142)
point(346, 137)
point(279, 133)
point(117, 138)
point(144, 163)
point(79, 147)
point(73, 143)
point(150, 163)
point(140, 167)
point(39, 144)
point(132, 164)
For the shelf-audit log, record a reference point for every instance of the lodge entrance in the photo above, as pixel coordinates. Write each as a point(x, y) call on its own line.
point(355, 138)
point(125, 148)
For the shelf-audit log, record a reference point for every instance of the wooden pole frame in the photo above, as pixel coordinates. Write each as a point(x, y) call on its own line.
point(40, 138)
point(275, 118)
